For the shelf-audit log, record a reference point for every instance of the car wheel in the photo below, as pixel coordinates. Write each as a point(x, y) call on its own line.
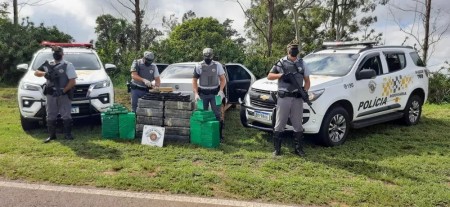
point(335, 127)
point(28, 125)
point(243, 117)
point(413, 111)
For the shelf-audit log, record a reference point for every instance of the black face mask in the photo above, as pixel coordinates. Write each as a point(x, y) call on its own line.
point(294, 52)
point(208, 60)
point(57, 56)
point(148, 63)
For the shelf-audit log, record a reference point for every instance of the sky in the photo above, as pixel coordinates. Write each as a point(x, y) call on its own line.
point(77, 17)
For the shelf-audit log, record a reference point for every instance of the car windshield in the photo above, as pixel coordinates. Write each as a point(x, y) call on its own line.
point(178, 71)
point(81, 61)
point(332, 64)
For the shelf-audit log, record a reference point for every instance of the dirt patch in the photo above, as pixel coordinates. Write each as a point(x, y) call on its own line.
point(348, 191)
point(110, 173)
point(198, 163)
point(336, 203)
point(7, 96)
point(390, 183)
point(154, 173)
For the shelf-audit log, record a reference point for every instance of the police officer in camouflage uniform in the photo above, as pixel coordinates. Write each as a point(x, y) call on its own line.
point(211, 77)
point(143, 72)
point(60, 76)
point(289, 102)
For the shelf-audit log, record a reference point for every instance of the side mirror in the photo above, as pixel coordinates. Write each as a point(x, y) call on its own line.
point(22, 67)
point(110, 67)
point(366, 74)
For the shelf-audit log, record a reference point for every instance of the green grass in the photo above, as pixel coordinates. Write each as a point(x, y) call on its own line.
point(382, 165)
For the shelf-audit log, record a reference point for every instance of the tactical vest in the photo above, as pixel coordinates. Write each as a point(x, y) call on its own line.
point(292, 67)
point(61, 69)
point(145, 72)
point(209, 78)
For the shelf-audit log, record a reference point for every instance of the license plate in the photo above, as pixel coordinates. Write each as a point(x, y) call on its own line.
point(75, 110)
point(262, 115)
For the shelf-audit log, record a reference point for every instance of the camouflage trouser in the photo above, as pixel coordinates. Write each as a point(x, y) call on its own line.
point(289, 108)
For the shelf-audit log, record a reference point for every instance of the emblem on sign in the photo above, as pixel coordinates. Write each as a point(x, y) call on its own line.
point(153, 136)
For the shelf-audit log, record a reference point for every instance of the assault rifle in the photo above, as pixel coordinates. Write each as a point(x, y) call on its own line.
point(291, 78)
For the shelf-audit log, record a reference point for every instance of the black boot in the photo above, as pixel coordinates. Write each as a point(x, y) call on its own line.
point(68, 129)
point(51, 127)
point(277, 143)
point(298, 137)
point(221, 130)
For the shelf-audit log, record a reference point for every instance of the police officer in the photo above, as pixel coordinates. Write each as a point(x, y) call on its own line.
point(143, 72)
point(289, 102)
point(211, 77)
point(60, 76)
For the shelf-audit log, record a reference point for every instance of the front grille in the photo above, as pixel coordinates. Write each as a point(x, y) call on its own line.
point(262, 104)
point(261, 98)
point(81, 91)
point(260, 91)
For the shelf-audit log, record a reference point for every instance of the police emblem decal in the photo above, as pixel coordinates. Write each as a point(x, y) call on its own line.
point(151, 71)
point(213, 70)
point(153, 136)
point(61, 71)
point(372, 86)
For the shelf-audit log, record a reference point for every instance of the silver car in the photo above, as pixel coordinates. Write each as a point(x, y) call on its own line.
point(179, 77)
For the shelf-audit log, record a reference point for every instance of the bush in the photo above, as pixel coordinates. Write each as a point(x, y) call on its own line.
point(439, 88)
point(259, 65)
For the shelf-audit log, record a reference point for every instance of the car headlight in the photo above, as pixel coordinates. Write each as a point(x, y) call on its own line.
point(314, 95)
point(30, 87)
point(102, 84)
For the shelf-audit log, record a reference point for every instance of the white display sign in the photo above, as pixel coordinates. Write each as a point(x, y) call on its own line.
point(153, 135)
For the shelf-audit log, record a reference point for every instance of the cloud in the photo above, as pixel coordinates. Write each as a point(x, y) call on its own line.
point(390, 17)
point(77, 17)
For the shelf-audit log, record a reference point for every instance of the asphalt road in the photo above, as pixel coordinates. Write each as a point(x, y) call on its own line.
point(18, 194)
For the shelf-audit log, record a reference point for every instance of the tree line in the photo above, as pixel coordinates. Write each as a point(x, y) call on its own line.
point(270, 26)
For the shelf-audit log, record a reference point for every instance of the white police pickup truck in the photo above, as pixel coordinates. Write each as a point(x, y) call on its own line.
point(352, 85)
point(93, 92)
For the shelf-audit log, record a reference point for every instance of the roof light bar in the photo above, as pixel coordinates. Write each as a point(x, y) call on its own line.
point(50, 44)
point(347, 44)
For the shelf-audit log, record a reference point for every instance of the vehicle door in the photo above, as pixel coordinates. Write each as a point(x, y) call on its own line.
point(371, 98)
point(239, 81)
point(399, 79)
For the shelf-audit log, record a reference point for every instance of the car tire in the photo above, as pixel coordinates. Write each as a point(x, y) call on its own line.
point(28, 125)
point(243, 117)
point(412, 111)
point(335, 127)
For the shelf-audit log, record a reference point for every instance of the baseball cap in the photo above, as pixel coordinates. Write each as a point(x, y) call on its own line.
point(57, 49)
point(208, 53)
point(149, 56)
